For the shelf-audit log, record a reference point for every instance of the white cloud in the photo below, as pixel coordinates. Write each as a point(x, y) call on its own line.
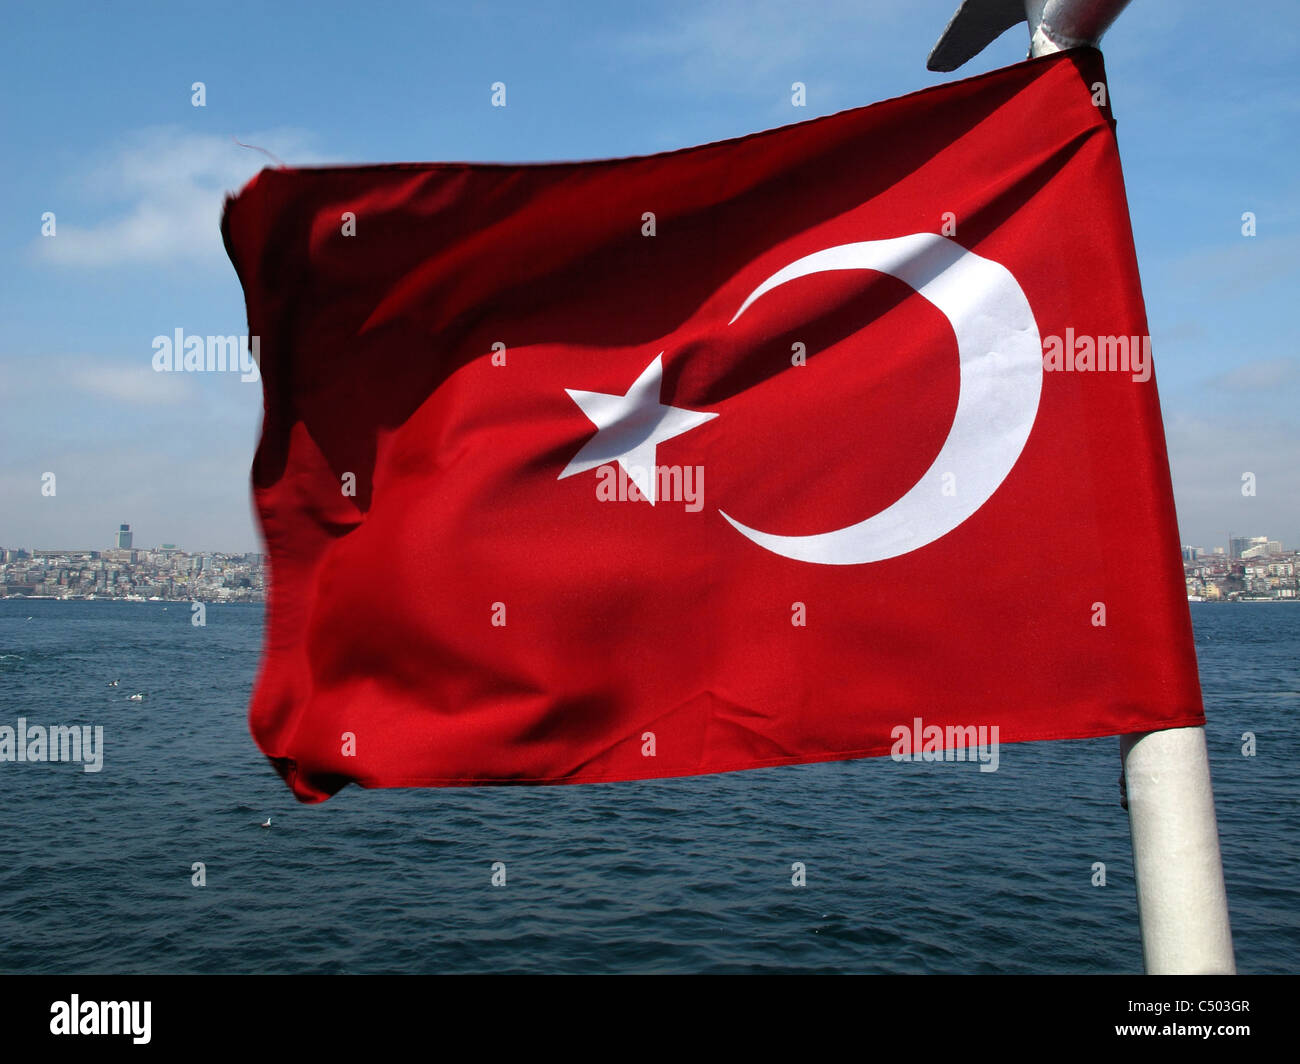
point(112, 380)
point(750, 45)
point(130, 384)
point(1219, 271)
point(169, 494)
point(168, 185)
point(1264, 375)
point(1208, 455)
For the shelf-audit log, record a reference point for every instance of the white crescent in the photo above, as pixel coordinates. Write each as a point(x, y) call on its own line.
point(1001, 365)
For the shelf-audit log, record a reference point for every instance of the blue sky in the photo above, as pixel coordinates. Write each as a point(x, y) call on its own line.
point(98, 127)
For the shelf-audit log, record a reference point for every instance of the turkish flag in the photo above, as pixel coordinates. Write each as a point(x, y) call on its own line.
point(757, 453)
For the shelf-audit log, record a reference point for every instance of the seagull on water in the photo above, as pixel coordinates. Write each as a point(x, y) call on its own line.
point(268, 823)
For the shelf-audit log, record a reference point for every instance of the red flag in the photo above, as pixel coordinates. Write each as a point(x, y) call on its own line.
point(778, 450)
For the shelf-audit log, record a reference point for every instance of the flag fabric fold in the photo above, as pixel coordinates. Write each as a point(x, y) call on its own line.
point(757, 453)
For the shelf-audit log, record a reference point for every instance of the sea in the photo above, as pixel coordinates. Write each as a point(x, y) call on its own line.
point(158, 863)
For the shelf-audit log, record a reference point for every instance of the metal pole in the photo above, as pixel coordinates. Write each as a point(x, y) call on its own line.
point(1058, 24)
point(1182, 902)
point(1053, 26)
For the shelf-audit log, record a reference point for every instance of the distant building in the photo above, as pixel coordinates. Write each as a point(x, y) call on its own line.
point(123, 537)
point(1238, 545)
point(1274, 546)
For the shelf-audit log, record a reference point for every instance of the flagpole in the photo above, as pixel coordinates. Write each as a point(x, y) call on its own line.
point(1182, 902)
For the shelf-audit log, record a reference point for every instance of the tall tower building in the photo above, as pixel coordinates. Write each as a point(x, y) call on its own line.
point(124, 537)
point(1238, 545)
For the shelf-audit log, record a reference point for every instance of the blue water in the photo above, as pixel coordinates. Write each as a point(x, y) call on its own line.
point(910, 867)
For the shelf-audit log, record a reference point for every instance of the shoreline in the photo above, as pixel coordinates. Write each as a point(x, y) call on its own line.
point(262, 602)
point(82, 598)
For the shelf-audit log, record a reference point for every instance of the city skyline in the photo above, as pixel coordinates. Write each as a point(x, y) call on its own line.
point(1247, 568)
point(1207, 545)
point(166, 573)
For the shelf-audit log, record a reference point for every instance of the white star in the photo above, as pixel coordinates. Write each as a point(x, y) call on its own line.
point(630, 427)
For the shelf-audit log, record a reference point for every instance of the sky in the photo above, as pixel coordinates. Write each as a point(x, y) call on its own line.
point(98, 126)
